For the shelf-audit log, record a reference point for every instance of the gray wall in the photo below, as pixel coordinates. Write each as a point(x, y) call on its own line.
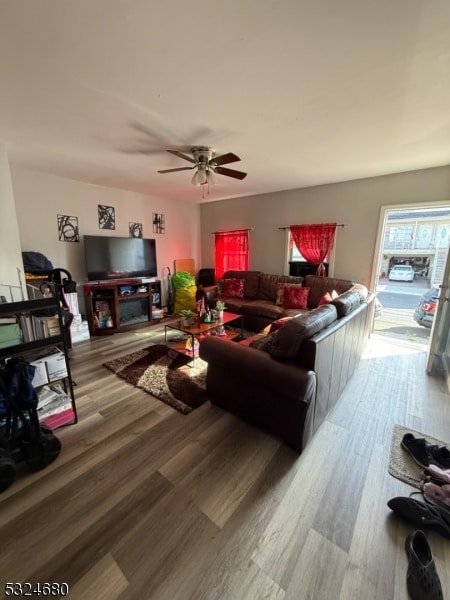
point(40, 198)
point(357, 204)
point(10, 252)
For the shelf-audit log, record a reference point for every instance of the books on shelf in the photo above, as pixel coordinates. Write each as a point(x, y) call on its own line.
point(38, 327)
point(7, 320)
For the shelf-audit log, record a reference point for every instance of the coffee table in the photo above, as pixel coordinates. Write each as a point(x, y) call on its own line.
point(198, 332)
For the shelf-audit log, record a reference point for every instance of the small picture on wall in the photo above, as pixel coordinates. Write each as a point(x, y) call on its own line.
point(135, 230)
point(158, 223)
point(68, 229)
point(106, 217)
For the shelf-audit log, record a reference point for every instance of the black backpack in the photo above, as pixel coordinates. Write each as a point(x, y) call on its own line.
point(8, 470)
point(21, 434)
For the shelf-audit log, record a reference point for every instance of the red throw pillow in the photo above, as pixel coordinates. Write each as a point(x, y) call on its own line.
point(278, 324)
point(327, 298)
point(295, 297)
point(280, 291)
point(233, 288)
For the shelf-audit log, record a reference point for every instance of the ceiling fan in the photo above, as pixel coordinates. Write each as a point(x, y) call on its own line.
point(207, 163)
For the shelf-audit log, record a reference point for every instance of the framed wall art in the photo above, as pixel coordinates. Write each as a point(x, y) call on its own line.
point(158, 223)
point(135, 230)
point(68, 229)
point(106, 217)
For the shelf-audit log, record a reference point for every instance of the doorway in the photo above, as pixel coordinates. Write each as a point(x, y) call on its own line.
point(412, 247)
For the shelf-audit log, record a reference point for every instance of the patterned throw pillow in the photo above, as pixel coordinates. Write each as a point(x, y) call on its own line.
point(327, 298)
point(295, 297)
point(280, 294)
point(280, 291)
point(263, 343)
point(278, 324)
point(233, 288)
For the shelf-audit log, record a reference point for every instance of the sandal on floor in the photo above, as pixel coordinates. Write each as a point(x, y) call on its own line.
point(422, 579)
point(420, 514)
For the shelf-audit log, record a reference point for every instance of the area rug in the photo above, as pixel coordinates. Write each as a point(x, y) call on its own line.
point(168, 377)
point(401, 465)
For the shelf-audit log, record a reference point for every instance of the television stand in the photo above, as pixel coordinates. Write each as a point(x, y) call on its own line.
point(121, 305)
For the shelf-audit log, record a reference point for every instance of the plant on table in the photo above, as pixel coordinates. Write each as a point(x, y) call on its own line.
point(220, 306)
point(187, 316)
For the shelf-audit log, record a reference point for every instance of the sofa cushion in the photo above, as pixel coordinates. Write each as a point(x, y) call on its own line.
point(268, 285)
point(295, 296)
point(235, 305)
point(321, 285)
point(262, 308)
point(267, 289)
point(251, 281)
point(233, 288)
point(347, 302)
point(288, 340)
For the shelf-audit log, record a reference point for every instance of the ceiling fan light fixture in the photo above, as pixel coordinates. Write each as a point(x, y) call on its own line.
point(200, 177)
point(211, 177)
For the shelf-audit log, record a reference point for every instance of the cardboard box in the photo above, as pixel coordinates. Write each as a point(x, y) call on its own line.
point(79, 332)
point(56, 366)
point(40, 375)
point(77, 320)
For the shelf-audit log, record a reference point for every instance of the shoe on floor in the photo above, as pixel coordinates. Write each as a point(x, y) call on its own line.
point(421, 514)
point(441, 456)
point(425, 454)
point(422, 579)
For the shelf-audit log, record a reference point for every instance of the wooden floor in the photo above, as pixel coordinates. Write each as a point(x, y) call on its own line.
point(144, 502)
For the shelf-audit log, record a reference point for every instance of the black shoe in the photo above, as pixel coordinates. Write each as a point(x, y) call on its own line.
point(422, 579)
point(422, 515)
point(441, 456)
point(426, 454)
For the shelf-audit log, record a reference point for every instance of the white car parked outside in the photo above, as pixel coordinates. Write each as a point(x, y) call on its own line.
point(401, 273)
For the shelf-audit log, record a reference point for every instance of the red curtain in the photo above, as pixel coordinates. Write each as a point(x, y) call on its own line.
point(314, 242)
point(231, 251)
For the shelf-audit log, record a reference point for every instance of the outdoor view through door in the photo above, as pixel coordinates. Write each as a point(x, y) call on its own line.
point(413, 246)
point(231, 251)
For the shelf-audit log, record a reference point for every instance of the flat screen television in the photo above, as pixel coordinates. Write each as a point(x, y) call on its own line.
point(110, 258)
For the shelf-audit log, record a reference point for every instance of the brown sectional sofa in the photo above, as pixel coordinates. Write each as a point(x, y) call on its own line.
point(286, 382)
point(258, 306)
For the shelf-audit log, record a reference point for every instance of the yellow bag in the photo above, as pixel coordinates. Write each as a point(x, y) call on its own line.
point(185, 299)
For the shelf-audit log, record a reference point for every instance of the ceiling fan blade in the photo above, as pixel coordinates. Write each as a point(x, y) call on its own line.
point(174, 170)
point(181, 155)
point(225, 159)
point(230, 173)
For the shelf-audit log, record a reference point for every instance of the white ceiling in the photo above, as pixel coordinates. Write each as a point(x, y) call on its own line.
point(306, 92)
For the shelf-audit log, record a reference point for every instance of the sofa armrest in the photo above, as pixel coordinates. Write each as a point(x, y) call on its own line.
point(274, 396)
point(257, 366)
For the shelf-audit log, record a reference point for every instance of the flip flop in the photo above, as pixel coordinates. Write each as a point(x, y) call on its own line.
point(420, 514)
